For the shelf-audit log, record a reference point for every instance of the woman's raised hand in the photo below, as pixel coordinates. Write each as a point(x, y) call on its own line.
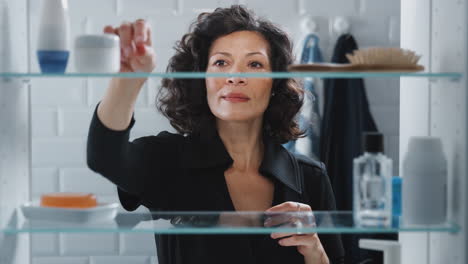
point(308, 244)
point(137, 53)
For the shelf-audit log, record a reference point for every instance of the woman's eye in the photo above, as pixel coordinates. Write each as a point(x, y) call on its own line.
point(220, 63)
point(256, 64)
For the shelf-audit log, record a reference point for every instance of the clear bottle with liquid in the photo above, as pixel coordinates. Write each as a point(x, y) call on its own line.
point(372, 180)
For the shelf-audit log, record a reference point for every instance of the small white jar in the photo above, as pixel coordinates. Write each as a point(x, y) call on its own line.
point(97, 53)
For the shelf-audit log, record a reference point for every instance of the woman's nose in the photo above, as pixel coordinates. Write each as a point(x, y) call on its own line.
point(236, 80)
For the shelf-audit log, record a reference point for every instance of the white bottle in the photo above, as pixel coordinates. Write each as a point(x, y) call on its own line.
point(424, 188)
point(372, 183)
point(53, 48)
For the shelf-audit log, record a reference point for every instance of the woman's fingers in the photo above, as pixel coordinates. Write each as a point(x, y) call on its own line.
point(280, 235)
point(289, 212)
point(277, 219)
point(146, 62)
point(140, 29)
point(299, 240)
point(126, 39)
point(137, 54)
point(109, 30)
point(142, 36)
point(133, 37)
point(289, 207)
point(149, 42)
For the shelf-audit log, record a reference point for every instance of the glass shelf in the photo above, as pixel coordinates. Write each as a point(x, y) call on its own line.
point(220, 223)
point(453, 76)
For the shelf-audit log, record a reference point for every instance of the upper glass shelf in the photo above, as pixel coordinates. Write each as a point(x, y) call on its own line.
point(215, 223)
point(452, 76)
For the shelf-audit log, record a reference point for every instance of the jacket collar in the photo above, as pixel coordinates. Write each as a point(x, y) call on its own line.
point(208, 151)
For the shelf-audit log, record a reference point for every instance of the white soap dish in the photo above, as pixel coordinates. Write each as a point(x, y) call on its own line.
point(102, 212)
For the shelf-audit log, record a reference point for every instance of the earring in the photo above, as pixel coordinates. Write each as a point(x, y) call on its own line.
point(272, 94)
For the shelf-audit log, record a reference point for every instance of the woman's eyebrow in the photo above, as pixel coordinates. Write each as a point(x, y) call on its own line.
point(230, 55)
point(255, 53)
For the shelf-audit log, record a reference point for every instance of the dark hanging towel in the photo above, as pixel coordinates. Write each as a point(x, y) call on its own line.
point(346, 116)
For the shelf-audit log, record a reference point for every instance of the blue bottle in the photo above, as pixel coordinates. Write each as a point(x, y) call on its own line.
point(396, 200)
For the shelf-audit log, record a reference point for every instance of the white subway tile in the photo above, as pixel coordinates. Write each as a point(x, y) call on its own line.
point(394, 30)
point(91, 244)
point(384, 92)
point(204, 5)
point(153, 87)
point(120, 260)
point(85, 180)
point(321, 8)
point(58, 152)
point(370, 31)
point(379, 7)
point(150, 121)
point(54, 92)
point(275, 11)
point(74, 122)
point(146, 7)
point(44, 244)
point(392, 149)
point(142, 98)
point(97, 88)
point(137, 244)
point(44, 122)
point(60, 260)
point(44, 180)
point(103, 8)
point(387, 119)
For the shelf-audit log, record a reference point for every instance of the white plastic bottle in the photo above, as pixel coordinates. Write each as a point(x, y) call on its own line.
point(425, 182)
point(372, 182)
point(53, 48)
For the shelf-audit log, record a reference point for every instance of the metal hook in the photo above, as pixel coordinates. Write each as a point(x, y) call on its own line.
point(341, 25)
point(308, 25)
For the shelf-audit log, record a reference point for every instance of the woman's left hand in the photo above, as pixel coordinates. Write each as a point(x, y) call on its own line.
point(308, 245)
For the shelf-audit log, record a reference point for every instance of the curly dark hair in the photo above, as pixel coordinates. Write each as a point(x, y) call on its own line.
point(184, 102)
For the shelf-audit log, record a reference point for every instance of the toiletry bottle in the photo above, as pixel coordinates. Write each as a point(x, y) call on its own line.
point(53, 42)
point(372, 180)
point(396, 200)
point(425, 182)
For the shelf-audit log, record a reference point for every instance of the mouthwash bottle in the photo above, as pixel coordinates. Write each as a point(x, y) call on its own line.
point(372, 180)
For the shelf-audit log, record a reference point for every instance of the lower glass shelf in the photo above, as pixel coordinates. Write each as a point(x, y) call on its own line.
point(214, 223)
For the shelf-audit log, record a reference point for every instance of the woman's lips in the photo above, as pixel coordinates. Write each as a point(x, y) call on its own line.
point(236, 98)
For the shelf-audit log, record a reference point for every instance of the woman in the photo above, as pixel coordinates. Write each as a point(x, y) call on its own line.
point(227, 155)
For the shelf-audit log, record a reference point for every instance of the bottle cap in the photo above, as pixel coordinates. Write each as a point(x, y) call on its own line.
point(373, 142)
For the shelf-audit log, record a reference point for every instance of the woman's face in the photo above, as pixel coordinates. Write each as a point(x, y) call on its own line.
point(239, 98)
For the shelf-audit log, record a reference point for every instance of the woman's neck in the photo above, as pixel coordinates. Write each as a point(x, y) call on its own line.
point(244, 143)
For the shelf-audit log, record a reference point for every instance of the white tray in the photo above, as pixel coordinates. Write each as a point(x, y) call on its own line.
point(102, 212)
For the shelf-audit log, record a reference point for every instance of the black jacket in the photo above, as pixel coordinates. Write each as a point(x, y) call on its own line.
point(171, 172)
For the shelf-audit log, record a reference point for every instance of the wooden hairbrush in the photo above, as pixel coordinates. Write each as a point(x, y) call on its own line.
point(369, 60)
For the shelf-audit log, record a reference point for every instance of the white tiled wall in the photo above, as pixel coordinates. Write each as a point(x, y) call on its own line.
point(62, 108)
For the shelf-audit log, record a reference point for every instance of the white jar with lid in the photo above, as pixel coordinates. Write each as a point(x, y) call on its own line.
point(97, 53)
